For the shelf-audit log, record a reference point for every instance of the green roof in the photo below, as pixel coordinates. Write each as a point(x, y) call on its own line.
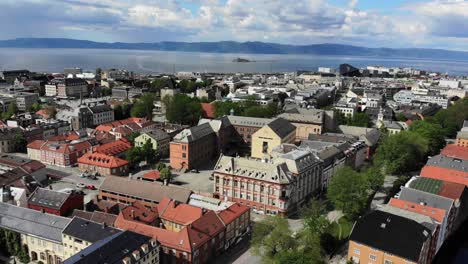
point(427, 185)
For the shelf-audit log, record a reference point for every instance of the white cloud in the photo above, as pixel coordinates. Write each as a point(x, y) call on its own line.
point(296, 22)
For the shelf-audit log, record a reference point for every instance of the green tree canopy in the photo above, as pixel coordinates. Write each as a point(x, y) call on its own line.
point(401, 153)
point(182, 109)
point(143, 107)
point(432, 132)
point(166, 174)
point(348, 191)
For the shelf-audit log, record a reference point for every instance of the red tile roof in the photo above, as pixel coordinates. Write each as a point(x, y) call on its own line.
point(452, 190)
point(57, 147)
point(36, 144)
point(115, 147)
point(209, 224)
point(102, 160)
point(455, 151)
point(232, 213)
point(44, 113)
point(140, 213)
point(182, 214)
point(187, 239)
point(209, 110)
point(152, 175)
point(444, 174)
point(435, 213)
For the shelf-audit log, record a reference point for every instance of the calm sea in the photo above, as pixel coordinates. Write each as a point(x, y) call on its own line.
point(55, 60)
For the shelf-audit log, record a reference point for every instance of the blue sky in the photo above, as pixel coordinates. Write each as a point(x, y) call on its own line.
point(372, 23)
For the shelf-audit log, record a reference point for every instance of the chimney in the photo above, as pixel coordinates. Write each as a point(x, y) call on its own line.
point(132, 214)
point(104, 225)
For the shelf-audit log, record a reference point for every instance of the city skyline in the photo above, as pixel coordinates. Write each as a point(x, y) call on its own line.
point(396, 24)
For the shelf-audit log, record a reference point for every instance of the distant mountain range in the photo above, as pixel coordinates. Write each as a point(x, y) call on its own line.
point(238, 47)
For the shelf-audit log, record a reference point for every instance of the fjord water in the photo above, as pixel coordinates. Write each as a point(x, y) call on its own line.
point(55, 60)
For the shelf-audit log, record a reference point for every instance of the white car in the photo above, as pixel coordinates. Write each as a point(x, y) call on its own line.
point(80, 185)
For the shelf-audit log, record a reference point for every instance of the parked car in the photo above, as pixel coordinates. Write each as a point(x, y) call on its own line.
point(80, 185)
point(90, 187)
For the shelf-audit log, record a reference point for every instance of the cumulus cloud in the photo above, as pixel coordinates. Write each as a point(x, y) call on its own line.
point(425, 23)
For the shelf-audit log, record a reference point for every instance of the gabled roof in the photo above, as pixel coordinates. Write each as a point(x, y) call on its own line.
point(436, 213)
point(455, 151)
point(115, 147)
point(88, 231)
point(443, 188)
point(208, 110)
point(182, 214)
point(194, 133)
point(233, 212)
point(425, 198)
point(445, 174)
point(102, 160)
point(138, 212)
point(281, 127)
point(209, 224)
point(157, 134)
point(392, 234)
point(32, 222)
point(153, 191)
point(248, 121)
point(48, 198)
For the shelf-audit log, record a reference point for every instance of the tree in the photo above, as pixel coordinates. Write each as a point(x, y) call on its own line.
point(144, 106)
point(182, 109)
point(315, 220)
point(451, 119)
point(132, 136)
point(375, 177)
point(348, 191)
point(401, 153)
point(11, 110)
point(134, 155)
point(358, 119)
point(147, 152)
point(166, 174)
point(401, 117)
point(270, 237)
point(159, 166)
point(35, 107)
point(20, 143)
point(51, 111)
point(432, 132)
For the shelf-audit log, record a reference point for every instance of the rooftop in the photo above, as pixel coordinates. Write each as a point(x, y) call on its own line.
point(392, 234)
point(102, 160)
point(48, 198)
point(153, 191)
point(435, 213)
point(454, 151)
point(281, 127)
point(88, 231)
point(32, 222)
point(249, 121)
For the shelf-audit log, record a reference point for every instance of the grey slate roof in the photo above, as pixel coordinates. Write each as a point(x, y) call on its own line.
point(48, 198)
point(249, 121)
point(369, 135)
point(158, 134)
point(429, 199)
point(100, 108)
point(424, 220)
point(194, 133)
point(32, 222)
point(302, 115)
point(111, 249)
point(153, 191)
point(281, 127)
point(88, 231)
point(448, 163)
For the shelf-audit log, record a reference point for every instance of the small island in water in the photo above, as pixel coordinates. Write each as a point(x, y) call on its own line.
point(241, 60)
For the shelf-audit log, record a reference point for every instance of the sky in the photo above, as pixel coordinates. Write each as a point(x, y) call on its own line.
point(371, 23)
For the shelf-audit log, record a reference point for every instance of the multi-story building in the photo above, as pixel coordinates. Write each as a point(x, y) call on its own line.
point(54, 202)
point(126, 191)
point(245, 127)
point(58, 153)
point(462, 138)
point(125, 247)
point(40, 232)
point(159, 140)
point(102, 164)
point(273, 187)
point(447, 169)
point(7, 139)
point(381, 237)
point(193, 147)
point(306, 121)
point(91, 116)
point(25, 101)
point(81, 233)
point(51, 128)
point(272, 135)
point(125, 127)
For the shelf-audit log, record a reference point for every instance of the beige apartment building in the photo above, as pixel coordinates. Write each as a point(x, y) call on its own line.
point(272, 135)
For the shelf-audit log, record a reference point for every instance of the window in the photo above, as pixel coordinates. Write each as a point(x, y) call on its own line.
point(373, 257)
point(357, 251)
point(184, 155)
point(388, 261)
point(265, 147)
